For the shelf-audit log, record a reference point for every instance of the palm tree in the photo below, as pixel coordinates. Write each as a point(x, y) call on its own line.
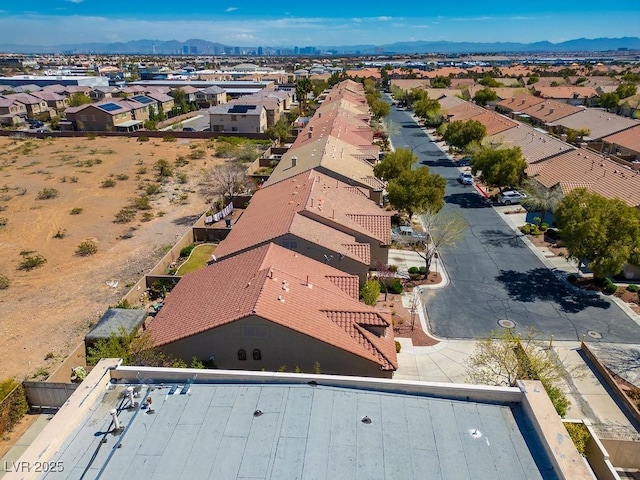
point(540, 198)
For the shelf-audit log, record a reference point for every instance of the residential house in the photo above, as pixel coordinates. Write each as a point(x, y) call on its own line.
point(269, 307)
point(12, 112)
point(104, 116)
point(163, 102)
point(587, 96)
point(35, 106)
point(317, 216)
point(597, 122)
point(238, 118)
point(493, 122)
point(99, 94)
point(189, 93)
point(211, 96)
point(56, 102)
point(536, 145)
point(514, 106)
point(624, 145)
point(546, 113)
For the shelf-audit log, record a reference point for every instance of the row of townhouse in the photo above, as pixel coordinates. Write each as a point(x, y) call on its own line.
point(283, 290)
point(606, 161)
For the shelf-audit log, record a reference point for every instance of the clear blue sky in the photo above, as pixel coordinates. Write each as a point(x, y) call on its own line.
point(328, 22)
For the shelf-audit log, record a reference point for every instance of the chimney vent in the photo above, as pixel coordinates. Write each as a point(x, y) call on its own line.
point(294, 161)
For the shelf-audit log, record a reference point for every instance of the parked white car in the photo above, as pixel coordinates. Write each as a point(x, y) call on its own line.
point(465, 178)
point(407, 235)
point(510, 197)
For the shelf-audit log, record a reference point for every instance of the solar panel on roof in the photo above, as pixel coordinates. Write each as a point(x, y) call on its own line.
point(241, 108)
point(110, 107)
point(142, 99)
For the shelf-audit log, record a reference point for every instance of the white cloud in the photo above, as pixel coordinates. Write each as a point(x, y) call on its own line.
point(231, 9)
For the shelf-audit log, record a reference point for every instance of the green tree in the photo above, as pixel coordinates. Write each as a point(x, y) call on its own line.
point(460, 134)
point(499, 167)
point(535, 78)
point(379, 108)
point(484, 96)
point(609, 100)
point(303, 88)
point(504, 358)
point(577, 136)
point(626, 90)
point(132, 348)
point(603, 233)
point(78, 99)
point(540, 198)
point(417, 191)
point(426, 109)
point(281, 130)
point(445, 229)
point(489, 81)
point(370, 292)
point(394, 163)
point(441, 82)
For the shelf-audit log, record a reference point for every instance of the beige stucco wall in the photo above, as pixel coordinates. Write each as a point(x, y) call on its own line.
point(243, 123)
point(280, 347)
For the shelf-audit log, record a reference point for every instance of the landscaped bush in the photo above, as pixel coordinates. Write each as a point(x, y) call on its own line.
point(423, 270)
point(86, 248)
point(396, 286)
point(13, 407)
point(579, 435)
point(186, 251)
point(370, 292)
point(398, 346)
point(633, 287)
point(609, 286)
point(526, 228)
point(414, 270)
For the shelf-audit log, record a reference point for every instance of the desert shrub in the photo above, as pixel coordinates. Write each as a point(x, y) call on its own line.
point(414, 270)
point(163, 168)
point(122, 177)
point(5, 282)
point(141, 203)
point(168, 138)
point(108, 183)
point(90, 136)
point(86, 248)
point(73, 179)
point(181, 161)
point(47, 193)
point(196, 154)
point(393, 268)
point(61, 233)
point(186, 251)
point(182, 178)
point(579, 435)
point(152, 189)
point(31, 261)
point(76, 211)
point(395, 286)
point(141, 170)
point(3, 221)
point(147, 216)
point(143, 138)
point(633, 287)
point(125, 215)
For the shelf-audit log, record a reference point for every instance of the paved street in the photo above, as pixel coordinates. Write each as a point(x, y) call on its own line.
point(495, 276)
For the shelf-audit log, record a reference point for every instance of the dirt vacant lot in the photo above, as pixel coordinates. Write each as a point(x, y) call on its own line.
point(57, 193)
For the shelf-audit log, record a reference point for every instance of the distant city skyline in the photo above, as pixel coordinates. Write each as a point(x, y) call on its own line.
point(287, 24)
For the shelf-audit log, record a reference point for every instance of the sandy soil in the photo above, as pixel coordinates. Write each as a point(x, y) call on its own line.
point(45, 312)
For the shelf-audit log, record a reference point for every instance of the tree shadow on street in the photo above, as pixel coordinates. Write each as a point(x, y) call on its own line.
point(500, 238)
point(467, 200)
point(541, 284)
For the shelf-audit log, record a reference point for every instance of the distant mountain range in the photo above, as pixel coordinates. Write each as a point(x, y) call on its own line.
point(203, 47)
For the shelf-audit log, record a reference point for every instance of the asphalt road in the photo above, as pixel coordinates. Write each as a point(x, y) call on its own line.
point(494, 275)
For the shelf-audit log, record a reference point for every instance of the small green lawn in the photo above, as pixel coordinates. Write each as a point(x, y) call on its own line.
point(200, 255)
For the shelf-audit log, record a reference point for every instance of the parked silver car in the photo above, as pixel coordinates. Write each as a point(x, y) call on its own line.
point(510, 197)
point(465, 178)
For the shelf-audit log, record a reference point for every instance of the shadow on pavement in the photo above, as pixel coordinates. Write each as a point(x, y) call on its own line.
point(500, 238)
point(541, 284)
point(467, 200)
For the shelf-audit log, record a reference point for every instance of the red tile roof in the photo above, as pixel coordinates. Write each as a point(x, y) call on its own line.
point(629, 139)
point(282, 287)
point(583, 168)
point(312, 206)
